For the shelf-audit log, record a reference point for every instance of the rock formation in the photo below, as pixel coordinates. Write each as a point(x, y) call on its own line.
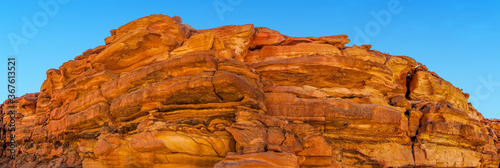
point(162, 94)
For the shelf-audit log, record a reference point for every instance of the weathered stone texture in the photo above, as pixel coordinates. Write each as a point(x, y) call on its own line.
point(162, 94)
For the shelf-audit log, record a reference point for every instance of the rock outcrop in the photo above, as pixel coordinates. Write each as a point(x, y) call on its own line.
point(162, 94)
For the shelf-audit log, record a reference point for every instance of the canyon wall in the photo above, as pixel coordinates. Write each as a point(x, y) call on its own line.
point(160, 93)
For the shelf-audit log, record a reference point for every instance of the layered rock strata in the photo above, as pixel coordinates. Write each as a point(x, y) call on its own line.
point(162, 94)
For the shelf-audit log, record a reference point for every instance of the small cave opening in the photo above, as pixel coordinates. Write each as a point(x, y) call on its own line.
point(57, 144)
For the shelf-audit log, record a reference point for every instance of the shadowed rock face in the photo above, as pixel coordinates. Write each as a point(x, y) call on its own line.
point(162, 94)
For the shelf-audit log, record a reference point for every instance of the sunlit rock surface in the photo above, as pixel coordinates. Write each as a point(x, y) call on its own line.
point(162, 94)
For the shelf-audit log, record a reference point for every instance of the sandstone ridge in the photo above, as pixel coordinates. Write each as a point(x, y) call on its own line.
point(160, 93)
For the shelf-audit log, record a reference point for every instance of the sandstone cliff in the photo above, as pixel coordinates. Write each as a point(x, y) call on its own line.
point(162, 94)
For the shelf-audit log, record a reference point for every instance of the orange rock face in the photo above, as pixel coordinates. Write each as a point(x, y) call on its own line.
point(162, 94)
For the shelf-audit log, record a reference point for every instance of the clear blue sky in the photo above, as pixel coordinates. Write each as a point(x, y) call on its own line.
point(460, 40)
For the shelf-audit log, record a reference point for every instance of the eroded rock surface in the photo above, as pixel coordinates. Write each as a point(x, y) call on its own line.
point(162, 94)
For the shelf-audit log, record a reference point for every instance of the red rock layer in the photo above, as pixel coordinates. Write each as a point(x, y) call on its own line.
point(162, 94)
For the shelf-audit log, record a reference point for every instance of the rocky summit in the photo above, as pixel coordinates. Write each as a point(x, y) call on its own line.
point(160, 93)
